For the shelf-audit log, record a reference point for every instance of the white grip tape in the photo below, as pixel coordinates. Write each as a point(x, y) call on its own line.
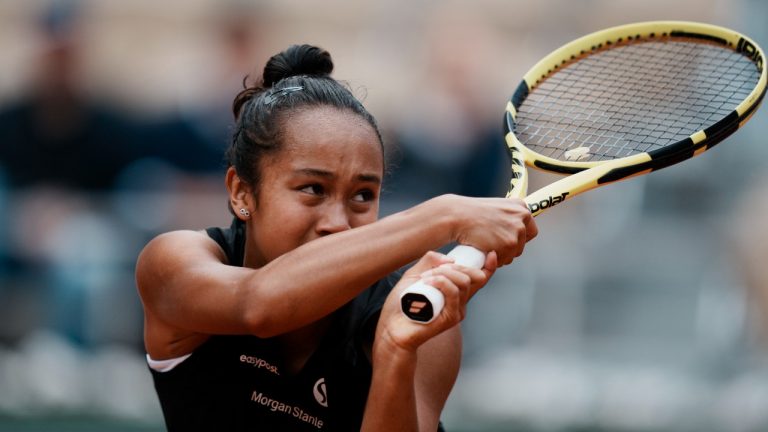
point(468, 256)
point(414, 307)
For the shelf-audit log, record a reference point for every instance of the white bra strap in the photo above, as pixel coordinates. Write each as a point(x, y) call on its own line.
point(165, 365)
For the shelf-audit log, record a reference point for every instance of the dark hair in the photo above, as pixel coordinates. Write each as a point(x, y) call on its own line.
point(296, 78)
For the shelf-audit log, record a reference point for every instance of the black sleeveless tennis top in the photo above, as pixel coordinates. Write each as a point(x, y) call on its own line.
point(238, 383)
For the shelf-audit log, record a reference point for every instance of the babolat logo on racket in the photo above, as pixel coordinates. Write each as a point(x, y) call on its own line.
point(547, 203)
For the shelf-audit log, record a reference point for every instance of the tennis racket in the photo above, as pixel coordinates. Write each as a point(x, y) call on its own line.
point(614, 104)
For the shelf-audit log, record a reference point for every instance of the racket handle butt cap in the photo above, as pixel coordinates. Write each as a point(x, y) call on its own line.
point(421, 302)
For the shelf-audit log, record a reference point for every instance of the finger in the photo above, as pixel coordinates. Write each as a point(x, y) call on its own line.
point(459, 275)
point(491, 264)
point(451, 313)
point(531, 229)
point(507, 258)
point(489, 268)
point(477, 277)
point(522, 239)
point(429, 261)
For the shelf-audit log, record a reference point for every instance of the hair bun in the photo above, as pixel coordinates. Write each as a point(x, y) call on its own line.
point(297, 60)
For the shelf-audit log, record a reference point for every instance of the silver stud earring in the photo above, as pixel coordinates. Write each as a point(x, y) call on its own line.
point(245, 212)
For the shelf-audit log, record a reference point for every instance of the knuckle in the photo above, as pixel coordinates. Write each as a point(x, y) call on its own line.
point(475, 274)
point(438, 279)
point(445, 284)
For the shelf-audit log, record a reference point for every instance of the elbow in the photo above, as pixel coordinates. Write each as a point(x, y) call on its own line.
point(259, 327)
point(267, 311)
point(261, 319)
point(258, 322)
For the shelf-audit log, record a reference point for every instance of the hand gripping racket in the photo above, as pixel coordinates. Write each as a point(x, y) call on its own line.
point(618, 103)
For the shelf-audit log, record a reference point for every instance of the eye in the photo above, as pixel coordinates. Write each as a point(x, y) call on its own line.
point(312, 189)
point(365, 195)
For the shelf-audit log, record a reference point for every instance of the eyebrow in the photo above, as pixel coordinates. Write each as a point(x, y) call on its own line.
point(315, 172)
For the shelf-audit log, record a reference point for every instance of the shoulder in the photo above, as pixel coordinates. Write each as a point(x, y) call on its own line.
point(178, 243)
point(171, 251)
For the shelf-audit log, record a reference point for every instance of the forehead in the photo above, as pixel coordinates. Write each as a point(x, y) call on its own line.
point(329, 136)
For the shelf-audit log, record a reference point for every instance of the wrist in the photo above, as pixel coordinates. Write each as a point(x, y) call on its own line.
point(445, 212)
point(388, 352)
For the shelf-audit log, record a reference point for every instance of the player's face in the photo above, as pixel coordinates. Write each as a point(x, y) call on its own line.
point(326, 179)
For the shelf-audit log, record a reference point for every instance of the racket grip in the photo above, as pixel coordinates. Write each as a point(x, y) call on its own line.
point(421, 302)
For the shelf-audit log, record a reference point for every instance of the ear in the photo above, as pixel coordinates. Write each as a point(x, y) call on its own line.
point(240, 195)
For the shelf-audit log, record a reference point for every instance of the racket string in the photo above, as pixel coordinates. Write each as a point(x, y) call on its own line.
point(633, 98)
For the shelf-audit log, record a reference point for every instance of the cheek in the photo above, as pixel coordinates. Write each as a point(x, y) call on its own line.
point(280, 239)
point(281, 227)
point(360, 219)
point(287, 222)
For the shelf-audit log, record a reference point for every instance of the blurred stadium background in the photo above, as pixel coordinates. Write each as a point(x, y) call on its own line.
point(638, 308)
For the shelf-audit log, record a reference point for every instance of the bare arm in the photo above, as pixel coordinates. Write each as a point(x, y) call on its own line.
point(409, 390)
point(185, 283)
point(416, 365)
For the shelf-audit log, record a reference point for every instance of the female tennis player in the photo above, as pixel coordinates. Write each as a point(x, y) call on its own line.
point(290, 318)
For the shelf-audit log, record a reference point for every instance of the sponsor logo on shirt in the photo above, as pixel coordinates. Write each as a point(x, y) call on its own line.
point(259, 363)
point(320, 393)
point(275, 405)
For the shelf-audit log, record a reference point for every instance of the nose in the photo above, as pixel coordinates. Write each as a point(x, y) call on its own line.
point(334, 219)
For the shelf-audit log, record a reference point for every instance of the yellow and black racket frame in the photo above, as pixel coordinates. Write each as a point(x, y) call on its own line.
point(640, 163)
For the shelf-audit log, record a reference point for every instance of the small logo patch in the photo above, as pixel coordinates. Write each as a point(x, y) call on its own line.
point(320, 393)
point(417, 306)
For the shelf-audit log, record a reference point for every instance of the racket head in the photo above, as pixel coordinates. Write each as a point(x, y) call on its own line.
point(636, 98)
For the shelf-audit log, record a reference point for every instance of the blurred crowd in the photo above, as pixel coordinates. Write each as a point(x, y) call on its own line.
point(86, 181)
point(87, 177)
point(69, 160)
point(114, 117)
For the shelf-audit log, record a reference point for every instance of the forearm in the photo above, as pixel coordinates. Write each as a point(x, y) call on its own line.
point(316, 278)
point(391, 404)
point(409, 389)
